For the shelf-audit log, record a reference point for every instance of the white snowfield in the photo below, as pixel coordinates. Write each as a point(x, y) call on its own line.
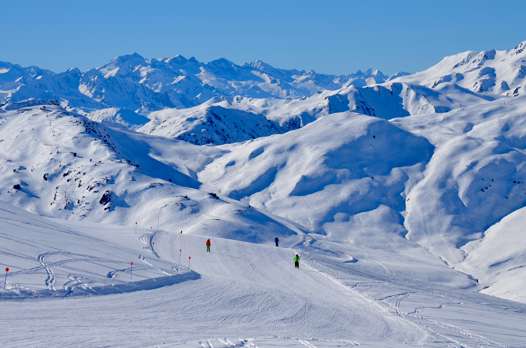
point(492, 72)
point(63, 165)
point(370, 274)
point(239, 295)
point(347, 188)
point(50, 259)
point(404, 197)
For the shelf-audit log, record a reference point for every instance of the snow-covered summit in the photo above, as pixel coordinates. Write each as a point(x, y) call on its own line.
point(268, 99)
point(137, 83)
point(490, 72)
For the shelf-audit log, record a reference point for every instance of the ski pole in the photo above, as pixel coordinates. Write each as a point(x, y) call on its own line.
point(180, 247)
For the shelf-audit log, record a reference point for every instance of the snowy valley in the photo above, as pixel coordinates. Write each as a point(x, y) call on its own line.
point(404, 195)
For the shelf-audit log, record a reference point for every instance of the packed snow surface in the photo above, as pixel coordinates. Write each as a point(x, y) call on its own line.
point(239, 295)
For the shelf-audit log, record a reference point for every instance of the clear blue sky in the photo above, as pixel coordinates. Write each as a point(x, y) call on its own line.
point(328, 36)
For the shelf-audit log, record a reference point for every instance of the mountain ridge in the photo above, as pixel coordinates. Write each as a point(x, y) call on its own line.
point(168, 82)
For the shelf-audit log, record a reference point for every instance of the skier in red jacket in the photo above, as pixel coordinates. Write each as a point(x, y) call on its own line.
point(208, 245)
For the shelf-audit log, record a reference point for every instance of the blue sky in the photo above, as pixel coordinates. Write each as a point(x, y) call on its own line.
point(327, 36)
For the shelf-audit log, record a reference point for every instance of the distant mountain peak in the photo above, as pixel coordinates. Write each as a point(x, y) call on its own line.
point(259, 64)
point(133, 82)
point(221, 62)
point(177, 59)
point(520, 48)
point(131, 59)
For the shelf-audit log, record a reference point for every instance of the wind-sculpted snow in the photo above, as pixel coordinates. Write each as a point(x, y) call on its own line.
point(328, 171)
point(474, 179)
point(498, 260)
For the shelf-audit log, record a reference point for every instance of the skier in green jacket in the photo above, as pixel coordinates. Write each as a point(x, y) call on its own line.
point(296, 260)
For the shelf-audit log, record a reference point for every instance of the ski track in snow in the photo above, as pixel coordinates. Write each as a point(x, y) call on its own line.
point(244, 290)
point(353, 292)
point(307, 344)
point(275, 341)
point(253, 269)
point(36, 246)
point(50, 276)
point(434, 328)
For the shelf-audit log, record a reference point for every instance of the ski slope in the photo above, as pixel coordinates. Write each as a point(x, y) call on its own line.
point(240, 295)
point(52, 259)
point(405, 198)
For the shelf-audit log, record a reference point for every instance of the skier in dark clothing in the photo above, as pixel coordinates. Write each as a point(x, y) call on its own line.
point(296, 260)
point(208, 245)
point(276, 241)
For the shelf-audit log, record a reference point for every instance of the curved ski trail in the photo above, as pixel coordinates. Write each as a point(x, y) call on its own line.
point(307, 296)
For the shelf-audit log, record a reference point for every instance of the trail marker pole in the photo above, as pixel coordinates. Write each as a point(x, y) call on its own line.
point(180, 256)
point(7, 269)
point(180, 247)
point(189, 260)
point(131, 270)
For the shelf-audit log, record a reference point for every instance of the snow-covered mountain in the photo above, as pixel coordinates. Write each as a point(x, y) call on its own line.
point(19, 84)
point(209, 124)
point(441, 180)
point(61, 164)
point(131, 87)
point(139, 84)
point(362, 163)
point(404, 196)
point(491, 72)
point(475, 177)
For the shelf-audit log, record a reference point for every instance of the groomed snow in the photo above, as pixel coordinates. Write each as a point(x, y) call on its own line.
point(239, 295)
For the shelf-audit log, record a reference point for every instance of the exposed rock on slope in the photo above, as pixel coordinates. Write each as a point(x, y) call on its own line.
point(65, 165)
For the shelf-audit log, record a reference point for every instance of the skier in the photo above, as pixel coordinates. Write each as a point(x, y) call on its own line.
point(276, 241)
point(296, 260)
point(208, 245)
